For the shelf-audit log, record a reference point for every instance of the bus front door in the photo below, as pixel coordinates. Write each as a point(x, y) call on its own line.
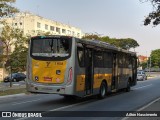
point(89, 71)
point(114, 83)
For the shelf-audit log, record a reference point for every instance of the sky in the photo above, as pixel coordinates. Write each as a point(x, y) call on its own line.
point(113, 18)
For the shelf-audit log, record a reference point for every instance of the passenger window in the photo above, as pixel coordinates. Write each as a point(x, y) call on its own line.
point(108, 60)
point(98, 59)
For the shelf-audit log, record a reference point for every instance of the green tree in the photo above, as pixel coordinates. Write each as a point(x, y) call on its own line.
point(11, 36)
point(155, 58)
point(7, 36)
point(154, 16)
point(7, 8)
point(127, 43)
point(144, 65)
point(91, 36)
point(18, 59)
point(124, 43)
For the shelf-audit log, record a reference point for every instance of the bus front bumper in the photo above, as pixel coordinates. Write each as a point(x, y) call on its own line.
point(40, 88)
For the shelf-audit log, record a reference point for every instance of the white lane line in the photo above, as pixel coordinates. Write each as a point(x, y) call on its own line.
point(68, 106)
point(142, 87)
point(142, 108)
point(16, 103)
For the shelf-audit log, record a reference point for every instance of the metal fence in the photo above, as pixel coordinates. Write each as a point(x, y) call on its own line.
point(152, 69)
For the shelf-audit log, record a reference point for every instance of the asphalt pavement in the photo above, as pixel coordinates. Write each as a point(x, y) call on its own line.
point(143, 97)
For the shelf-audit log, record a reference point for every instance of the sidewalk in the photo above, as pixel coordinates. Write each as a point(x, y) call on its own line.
point(16, 89)
point(14, 86)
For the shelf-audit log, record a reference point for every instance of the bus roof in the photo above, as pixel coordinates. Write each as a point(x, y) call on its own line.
point(105, 45)
point(91, 43)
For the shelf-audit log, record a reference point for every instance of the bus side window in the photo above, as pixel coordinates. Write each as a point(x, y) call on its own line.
point(98, 59)
point(80, 55)
point(120, 60)
point(108, 60)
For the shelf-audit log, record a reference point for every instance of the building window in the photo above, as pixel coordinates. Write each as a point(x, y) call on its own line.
point(78, 34)
point(15, 24)
point(63, 31)
point(73, 33)
point(46, 26)
point(69, 32)
point(52, 28)
point(58, 30)
point(38, 25)
point(20, 23)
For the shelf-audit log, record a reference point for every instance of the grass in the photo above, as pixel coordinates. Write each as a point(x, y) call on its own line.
point(13, 91)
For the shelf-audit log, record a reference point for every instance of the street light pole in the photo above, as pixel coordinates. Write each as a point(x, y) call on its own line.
point(150, 65)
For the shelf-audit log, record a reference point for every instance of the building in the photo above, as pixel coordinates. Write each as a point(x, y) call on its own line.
point(33, 25)
point(142, 58)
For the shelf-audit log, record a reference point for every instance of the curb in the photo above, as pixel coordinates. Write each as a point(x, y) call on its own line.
point(14, 95)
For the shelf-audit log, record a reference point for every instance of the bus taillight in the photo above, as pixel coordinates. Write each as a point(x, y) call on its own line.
point(70, 75)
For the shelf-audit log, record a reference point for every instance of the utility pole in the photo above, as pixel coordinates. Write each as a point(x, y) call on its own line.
point(11, 77)
point(147, 61)
point(150, 65)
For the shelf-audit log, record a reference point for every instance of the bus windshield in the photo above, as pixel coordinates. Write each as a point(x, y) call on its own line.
point(50, 47)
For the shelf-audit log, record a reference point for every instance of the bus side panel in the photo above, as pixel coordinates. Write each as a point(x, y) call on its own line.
point(102, 74)
point(79, 75)
point(80, 82)
point(123, 77)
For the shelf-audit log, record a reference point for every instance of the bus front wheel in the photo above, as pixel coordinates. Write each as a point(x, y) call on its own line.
point(103, 90)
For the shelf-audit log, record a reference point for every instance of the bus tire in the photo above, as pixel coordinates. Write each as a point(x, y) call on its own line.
point(103, 90)
point(128, 88)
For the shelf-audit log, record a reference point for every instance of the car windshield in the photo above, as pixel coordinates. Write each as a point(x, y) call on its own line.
point(13, 74)
point(140, 72)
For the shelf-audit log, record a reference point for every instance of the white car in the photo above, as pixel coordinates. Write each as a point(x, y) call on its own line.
point(141, 75)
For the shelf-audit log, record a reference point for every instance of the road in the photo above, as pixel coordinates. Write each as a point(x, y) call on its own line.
point(140, 95)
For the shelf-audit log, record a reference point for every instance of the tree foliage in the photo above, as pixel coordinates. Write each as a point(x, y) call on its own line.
point(124, 43)
point(144, 65)
point(7, 8)
point(155, 58)
point(154, 16)
point(11, 36)
point(18, 59)
point(7, 36)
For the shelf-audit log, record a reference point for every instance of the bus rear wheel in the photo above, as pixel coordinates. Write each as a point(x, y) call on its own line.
point(103, 90)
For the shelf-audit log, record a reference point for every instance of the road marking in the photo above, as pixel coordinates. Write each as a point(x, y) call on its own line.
point(68, 106)
point(142, 87)
point(25, 102)
point(142, 108)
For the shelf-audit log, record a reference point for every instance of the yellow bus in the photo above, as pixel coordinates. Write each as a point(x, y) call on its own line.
point(70, 66)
